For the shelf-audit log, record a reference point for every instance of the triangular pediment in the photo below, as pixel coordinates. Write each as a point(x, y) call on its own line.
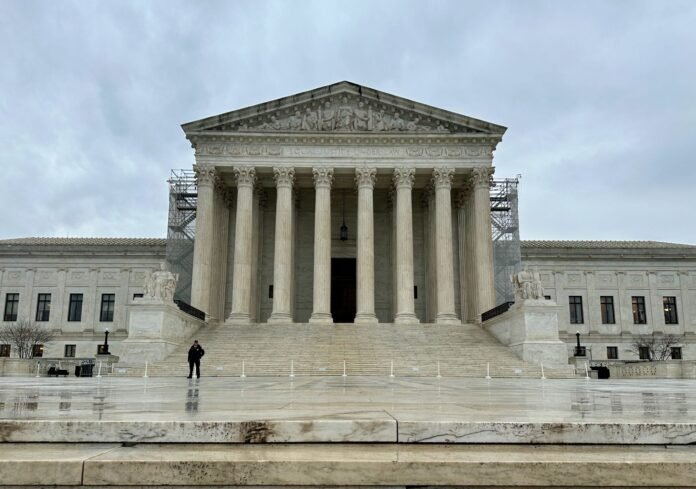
point(343, 107)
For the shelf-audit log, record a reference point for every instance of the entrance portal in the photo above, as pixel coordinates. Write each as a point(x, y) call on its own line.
point(343, 281)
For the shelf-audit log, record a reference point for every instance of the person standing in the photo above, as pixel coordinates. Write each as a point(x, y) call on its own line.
point(195, 354)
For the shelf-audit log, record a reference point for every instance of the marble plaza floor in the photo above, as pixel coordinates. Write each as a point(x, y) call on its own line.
point(350, 409)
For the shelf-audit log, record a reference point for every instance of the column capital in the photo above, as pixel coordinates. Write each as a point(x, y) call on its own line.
point(442, 177)
point(283, 176)
point(365, 177)
point(205, 175)
point(404, 177)
point(481, 176)
point(245, 175)
point(323, 177)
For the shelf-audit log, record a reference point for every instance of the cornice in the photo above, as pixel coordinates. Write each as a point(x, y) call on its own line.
point(329, 139)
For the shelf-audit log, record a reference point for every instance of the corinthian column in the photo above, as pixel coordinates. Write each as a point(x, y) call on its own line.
point(365, 180)
point(405, 306)
point(482, 240)
point(282, 259)
point(243, 235)
point(321, 312)
point(203, 244)
point(444, 266)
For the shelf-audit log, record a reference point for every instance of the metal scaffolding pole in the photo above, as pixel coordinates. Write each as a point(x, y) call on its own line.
point(181, 229)
point(505, 224)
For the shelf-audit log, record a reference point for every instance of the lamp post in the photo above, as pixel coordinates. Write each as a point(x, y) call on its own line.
point(104, 349)
point(579, 350)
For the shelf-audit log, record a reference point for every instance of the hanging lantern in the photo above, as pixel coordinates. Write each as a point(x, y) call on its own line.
point(344, 228)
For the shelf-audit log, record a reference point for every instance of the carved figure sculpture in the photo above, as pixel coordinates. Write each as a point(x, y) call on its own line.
point(397, 123)
point(527, 285)
point(379, 121)
point(327, 118)
point(361, 118)
point(344, 118)
point(160, 285)
point(295, 121)
point(310, 121)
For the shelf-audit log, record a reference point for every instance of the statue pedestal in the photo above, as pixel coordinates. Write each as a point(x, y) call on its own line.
point(530, 329)
point(155, 329)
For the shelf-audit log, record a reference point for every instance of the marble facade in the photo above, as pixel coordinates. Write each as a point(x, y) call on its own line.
point(275, 172)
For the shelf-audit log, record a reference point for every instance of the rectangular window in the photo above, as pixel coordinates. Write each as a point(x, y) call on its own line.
point(43, 307)
point(137, 296)
point(670, 306)
point(70, 351)
point(5, 350)
point(107, 308)
point(547, 297)
point(639, 316)
point(11, 307)
point(675, 353)
point(644, 353)
point(75, 308)
point(612, 352)
point(575, 302)
point(37, 351)
point(607, 305)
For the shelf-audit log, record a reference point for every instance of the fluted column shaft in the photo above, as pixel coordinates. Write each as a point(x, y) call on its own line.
point(282, 258)
point(482, 240)
point(469, 258)
point(243, 235)
point(405, 304)
point(442, 182)
point(365, 180)
point(321, 312)
point(203, 244)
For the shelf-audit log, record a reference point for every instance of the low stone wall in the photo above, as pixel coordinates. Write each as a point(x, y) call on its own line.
point(17, 366)
point(26, 367)
point(668, 369)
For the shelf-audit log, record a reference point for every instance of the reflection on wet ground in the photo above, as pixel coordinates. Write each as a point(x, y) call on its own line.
point(107, 398)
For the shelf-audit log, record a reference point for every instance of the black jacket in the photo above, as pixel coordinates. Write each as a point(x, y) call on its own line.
point(195, 353)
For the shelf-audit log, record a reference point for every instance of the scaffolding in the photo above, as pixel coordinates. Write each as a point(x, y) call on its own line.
point(181, 229)
point(505, 228)
point(181, 232)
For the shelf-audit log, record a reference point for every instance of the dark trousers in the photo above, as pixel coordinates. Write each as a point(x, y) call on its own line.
point(197, 363)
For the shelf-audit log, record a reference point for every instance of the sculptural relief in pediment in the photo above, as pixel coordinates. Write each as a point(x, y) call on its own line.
point(347, 113)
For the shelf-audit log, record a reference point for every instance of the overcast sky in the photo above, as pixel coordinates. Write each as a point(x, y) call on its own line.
point(599, 98)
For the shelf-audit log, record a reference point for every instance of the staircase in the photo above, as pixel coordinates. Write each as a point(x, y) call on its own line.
point(317, 350)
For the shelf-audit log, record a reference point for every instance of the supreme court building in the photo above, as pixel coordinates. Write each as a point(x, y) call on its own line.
point(339, 205)
point(343, 204)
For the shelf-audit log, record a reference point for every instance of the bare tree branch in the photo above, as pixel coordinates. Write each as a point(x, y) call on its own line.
point(22, 335)
point(659, 346)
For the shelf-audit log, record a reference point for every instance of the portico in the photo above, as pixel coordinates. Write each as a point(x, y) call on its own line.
point(276, 182)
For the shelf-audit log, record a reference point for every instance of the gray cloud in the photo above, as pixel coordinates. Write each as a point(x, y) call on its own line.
point(599, 98)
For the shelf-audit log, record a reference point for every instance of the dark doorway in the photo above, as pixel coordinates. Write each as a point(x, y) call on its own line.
point(343, 290)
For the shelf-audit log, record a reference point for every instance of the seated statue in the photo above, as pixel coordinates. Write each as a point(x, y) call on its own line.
point(527, 285)
point(160, 285)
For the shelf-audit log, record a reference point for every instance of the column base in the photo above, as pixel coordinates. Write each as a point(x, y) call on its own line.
point(280, 317)
point(447, 318)
point(366, 318)
point(406, 318)
point(238, 317)
point(321, 317)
